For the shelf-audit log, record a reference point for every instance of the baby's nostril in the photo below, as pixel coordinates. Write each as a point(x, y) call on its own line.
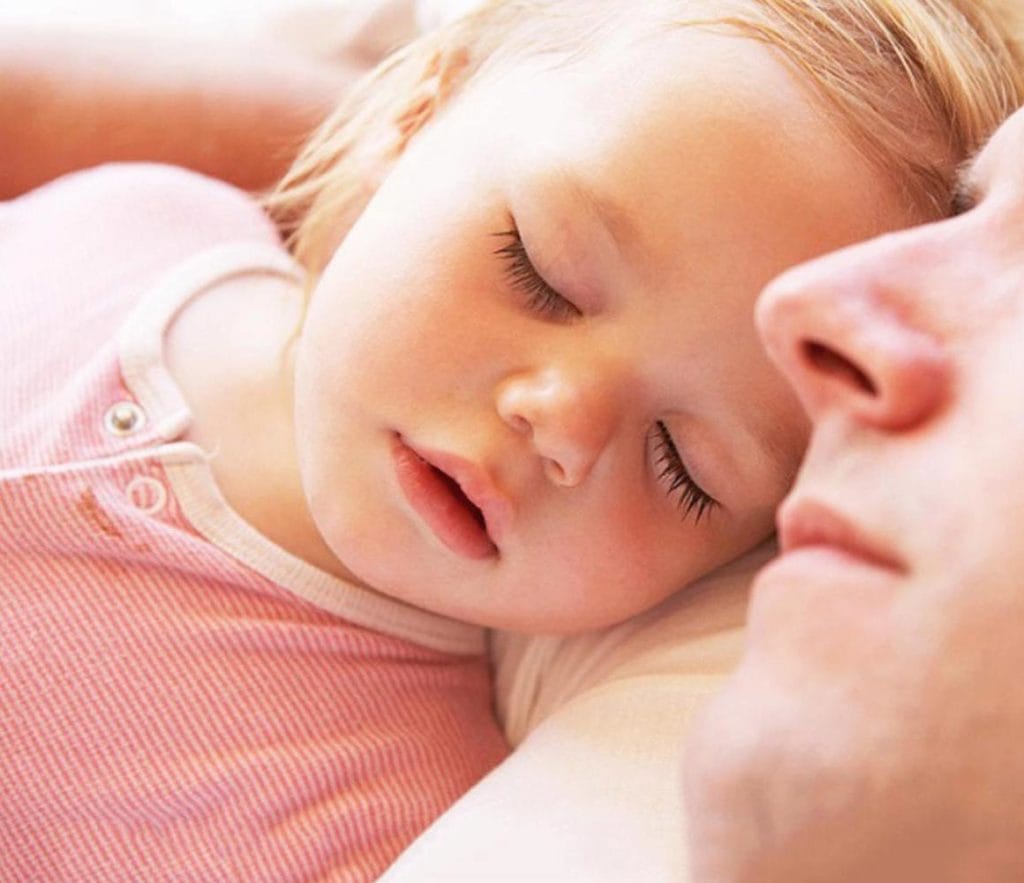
point(828, 361)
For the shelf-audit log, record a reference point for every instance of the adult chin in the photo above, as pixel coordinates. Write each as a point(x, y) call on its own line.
point(812, 785)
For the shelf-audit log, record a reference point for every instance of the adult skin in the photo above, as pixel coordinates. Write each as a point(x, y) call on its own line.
point(872, 731)
point(74, 98)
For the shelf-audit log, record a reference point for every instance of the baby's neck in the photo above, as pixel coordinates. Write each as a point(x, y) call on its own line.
point(232, 352)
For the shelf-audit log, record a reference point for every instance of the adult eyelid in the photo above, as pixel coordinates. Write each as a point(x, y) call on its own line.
point(966, 192)
point(965, 197)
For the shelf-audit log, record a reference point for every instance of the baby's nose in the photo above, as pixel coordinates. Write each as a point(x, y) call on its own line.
point(568, 418)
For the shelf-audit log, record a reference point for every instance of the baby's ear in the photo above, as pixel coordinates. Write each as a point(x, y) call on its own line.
point(440, 79)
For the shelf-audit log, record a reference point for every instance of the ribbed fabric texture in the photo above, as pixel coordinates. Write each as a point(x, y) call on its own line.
point(168, 709)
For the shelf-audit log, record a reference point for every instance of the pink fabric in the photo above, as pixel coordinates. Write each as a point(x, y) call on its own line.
point(166, 711)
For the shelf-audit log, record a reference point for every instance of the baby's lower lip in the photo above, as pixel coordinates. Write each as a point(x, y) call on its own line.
point(443, 509)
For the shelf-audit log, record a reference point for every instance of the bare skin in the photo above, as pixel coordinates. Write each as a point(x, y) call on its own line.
point(72, 99)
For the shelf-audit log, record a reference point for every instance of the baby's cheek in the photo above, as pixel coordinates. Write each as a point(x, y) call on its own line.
point(654, 558)
point(753, 525)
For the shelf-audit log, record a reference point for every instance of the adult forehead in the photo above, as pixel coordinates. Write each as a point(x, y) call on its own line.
point(1002, 159)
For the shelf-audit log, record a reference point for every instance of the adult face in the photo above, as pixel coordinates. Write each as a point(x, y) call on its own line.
point(873, 728)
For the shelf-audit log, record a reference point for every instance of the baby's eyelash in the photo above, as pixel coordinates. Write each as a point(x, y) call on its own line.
point(692, 498)
point(541, 298)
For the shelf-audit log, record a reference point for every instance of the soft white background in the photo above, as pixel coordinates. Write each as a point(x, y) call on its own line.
point(234, 19)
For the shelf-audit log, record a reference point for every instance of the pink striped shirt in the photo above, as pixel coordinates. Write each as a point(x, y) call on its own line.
point(179, 698)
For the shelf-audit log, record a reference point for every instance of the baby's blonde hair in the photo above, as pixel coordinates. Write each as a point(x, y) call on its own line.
point(917, 84)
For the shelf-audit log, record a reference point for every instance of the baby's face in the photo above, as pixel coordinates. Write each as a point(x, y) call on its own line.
point(529, 388)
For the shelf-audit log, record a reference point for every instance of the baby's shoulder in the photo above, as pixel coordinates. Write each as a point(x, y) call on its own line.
point(125, 211)
point(91, 243)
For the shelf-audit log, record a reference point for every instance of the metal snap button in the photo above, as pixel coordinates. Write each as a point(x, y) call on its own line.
point(124, 418)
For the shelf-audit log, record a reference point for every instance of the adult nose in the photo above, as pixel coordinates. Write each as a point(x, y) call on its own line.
point(851, 333)
point(567, 416)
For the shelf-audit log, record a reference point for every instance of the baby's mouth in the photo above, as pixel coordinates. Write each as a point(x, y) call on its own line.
point(441, 501)
point(459, 496)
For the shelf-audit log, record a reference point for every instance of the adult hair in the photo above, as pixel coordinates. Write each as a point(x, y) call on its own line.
point(917, 84)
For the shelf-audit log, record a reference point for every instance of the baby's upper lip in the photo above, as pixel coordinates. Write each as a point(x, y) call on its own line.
point(804, 521)
point(478, 486)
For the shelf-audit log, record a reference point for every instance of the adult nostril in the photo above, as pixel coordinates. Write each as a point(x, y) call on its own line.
point(520, 424)
point(556, 472)
point(826, 360)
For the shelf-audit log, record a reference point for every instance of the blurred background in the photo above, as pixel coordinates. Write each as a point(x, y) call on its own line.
point(235, 19)
point(238, 19)
point(229, 88)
